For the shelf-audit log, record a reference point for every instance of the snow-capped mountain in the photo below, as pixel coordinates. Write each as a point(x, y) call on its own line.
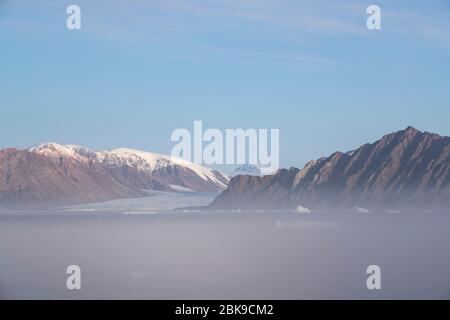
point(148, 162)
point(55, 173)
point(247, 169)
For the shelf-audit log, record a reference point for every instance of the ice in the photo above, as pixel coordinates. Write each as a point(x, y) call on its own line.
point(300, 209)
point(361, 210)
point(154, 203)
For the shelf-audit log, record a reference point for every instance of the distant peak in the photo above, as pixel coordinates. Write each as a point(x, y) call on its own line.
point(45, 145)
point(407, 132)
point(54, 149)
point(411, 129)
point(248, 169)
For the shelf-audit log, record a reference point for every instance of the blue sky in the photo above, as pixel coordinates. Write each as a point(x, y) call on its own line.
point(137, 70)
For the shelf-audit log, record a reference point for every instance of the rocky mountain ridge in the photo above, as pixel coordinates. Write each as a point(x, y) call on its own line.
point(407, 168)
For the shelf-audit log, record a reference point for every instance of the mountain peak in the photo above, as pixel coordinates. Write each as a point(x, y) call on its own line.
point(45, 145)
point(53, 149)
point(411, 131)
point(410, 128)
point(247, 169)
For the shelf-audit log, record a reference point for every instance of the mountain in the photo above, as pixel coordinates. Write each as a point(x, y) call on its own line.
point(247, 169)
point(51, 174)
point(408, 168)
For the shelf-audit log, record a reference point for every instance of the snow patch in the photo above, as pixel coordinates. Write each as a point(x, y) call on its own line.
point(300, 209)
point(361, 210)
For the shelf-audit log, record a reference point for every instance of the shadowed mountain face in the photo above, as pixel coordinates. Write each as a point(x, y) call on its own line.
point(408, 168)
point(52, 174)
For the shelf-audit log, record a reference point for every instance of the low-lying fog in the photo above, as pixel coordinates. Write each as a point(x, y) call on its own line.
point(227, 255)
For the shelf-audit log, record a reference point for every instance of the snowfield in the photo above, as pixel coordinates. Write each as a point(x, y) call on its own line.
point(142, 160)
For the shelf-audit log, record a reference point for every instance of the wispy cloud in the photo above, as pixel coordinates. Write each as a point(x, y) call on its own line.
point(246, 31)
point(432, 29)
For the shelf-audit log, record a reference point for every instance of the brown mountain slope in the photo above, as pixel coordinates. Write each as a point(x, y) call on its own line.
point(52, 174)
point(29, 178)
point(406, 168)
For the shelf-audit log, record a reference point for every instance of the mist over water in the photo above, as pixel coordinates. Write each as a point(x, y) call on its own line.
point(228, 255)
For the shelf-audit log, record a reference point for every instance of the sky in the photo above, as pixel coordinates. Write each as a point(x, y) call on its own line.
point(137, 70)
